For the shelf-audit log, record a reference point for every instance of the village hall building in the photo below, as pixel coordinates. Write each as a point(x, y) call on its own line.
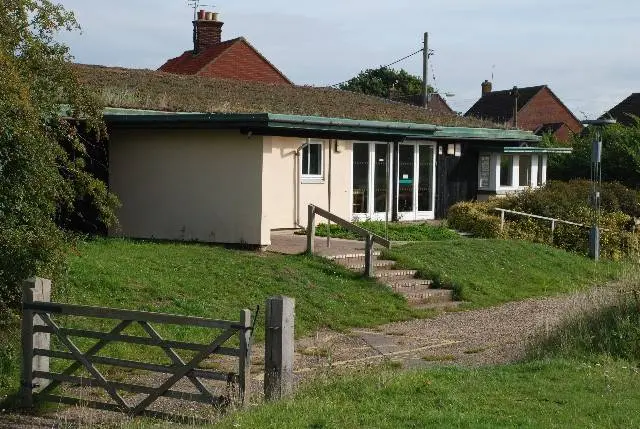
point(217, 160)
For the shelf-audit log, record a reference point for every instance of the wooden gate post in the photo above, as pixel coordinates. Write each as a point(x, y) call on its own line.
point(244, 365)
point(278, 352)
point(33, 290)
point(311, 229)
point(368, 256)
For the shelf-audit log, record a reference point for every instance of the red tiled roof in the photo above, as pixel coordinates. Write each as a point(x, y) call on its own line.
point(187, 63)
point(231, 59)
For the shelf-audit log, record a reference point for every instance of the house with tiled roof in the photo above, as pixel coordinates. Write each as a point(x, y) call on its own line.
point(626, 110)
point(230, 59)
point(535, 108)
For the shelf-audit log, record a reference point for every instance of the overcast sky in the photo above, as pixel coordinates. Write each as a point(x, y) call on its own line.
point(585, 50)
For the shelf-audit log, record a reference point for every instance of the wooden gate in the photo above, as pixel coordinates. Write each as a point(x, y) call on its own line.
point(39, 382)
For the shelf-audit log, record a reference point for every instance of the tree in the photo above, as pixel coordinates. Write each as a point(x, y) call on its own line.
point(42, 155)
point(620, 156)
point(381, 81)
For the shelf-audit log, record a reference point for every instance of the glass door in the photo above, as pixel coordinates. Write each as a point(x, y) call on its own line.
point(416, 179)
point(406, 176)
point(361, 174)
point(371, 190)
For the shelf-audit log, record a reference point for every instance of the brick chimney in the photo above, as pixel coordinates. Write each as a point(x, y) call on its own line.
point(486, 87)
point(207, 31)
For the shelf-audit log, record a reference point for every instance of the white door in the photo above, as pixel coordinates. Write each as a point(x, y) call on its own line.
point(371, 187)
point(416, 178)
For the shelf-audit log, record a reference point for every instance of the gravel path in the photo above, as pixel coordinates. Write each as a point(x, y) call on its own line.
point(495, 335)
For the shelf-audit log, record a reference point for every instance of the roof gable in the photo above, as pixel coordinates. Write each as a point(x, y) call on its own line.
point(206, 61)
point(622, 111)
point(190, 63)
point(497, 106)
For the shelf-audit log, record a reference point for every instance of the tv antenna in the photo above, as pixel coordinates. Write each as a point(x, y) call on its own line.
point(196, 4)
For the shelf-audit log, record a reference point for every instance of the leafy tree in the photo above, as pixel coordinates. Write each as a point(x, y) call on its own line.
point(42, 155)
point(620, 156)
point(381, 81)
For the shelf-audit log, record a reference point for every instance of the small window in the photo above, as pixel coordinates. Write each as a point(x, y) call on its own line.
point(525, 170)
point(506, 170)
point(312, 160)
point(484, 172)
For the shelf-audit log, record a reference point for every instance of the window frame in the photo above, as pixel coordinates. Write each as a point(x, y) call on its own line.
point(307, 177)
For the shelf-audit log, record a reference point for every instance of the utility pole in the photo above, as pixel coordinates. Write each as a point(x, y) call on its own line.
point(425, 72)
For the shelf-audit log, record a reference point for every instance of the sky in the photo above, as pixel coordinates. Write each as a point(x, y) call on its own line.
point(586, 51)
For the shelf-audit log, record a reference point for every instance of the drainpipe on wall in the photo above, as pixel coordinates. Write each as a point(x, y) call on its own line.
point(331, 143)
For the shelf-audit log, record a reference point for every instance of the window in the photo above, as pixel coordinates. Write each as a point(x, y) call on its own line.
point(311, 162)
point(525, 170)
point(506, 170)
point(540, 164)
point(484, 172)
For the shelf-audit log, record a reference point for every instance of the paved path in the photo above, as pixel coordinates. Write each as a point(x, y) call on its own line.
point(292, 244)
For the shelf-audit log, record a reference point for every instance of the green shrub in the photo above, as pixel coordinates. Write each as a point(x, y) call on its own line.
point(567, 201)
point(474, 218)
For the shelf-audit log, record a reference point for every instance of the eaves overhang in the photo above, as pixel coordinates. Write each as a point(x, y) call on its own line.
point(311, 126)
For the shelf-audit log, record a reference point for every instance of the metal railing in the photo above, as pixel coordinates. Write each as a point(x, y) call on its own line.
point(369, 237)
point(550, 219)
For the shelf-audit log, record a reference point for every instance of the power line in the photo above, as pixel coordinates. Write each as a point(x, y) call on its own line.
point(390, 64)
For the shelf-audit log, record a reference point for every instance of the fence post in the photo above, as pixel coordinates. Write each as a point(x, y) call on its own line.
point(244, 365)
point(278, 352)
point(311, 228)
point(368, 256)
point(501, 220)
point(33, 290)
point(553, 230)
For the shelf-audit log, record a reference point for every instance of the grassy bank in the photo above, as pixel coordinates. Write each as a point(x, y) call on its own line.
point(392, 231)
point(490, 272)
point(557, 393)
point(210, 281)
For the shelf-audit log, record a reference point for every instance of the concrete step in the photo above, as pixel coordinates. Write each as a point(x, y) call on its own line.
point(357, 264)
point(412, 288)
point(376, 253)
point(395, 275)
point(408, 284)
point(429, 296)
point(450, 305)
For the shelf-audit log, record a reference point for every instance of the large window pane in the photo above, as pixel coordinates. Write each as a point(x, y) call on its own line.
point(525, 170)
point(380, 192)
point(506, 170)
point(360, 177)
point(539, 170)
point(405, 178)
point(425, 179)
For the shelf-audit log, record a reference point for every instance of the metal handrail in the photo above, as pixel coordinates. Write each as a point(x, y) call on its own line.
point(369, 237)
point(552, 220)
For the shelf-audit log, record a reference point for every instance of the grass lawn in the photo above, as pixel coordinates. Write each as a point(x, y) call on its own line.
point(490, 272)
point(214, 282)
point(392, 231)
point(543, 394)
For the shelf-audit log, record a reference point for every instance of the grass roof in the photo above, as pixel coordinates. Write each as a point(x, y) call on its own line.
point(146, 89)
